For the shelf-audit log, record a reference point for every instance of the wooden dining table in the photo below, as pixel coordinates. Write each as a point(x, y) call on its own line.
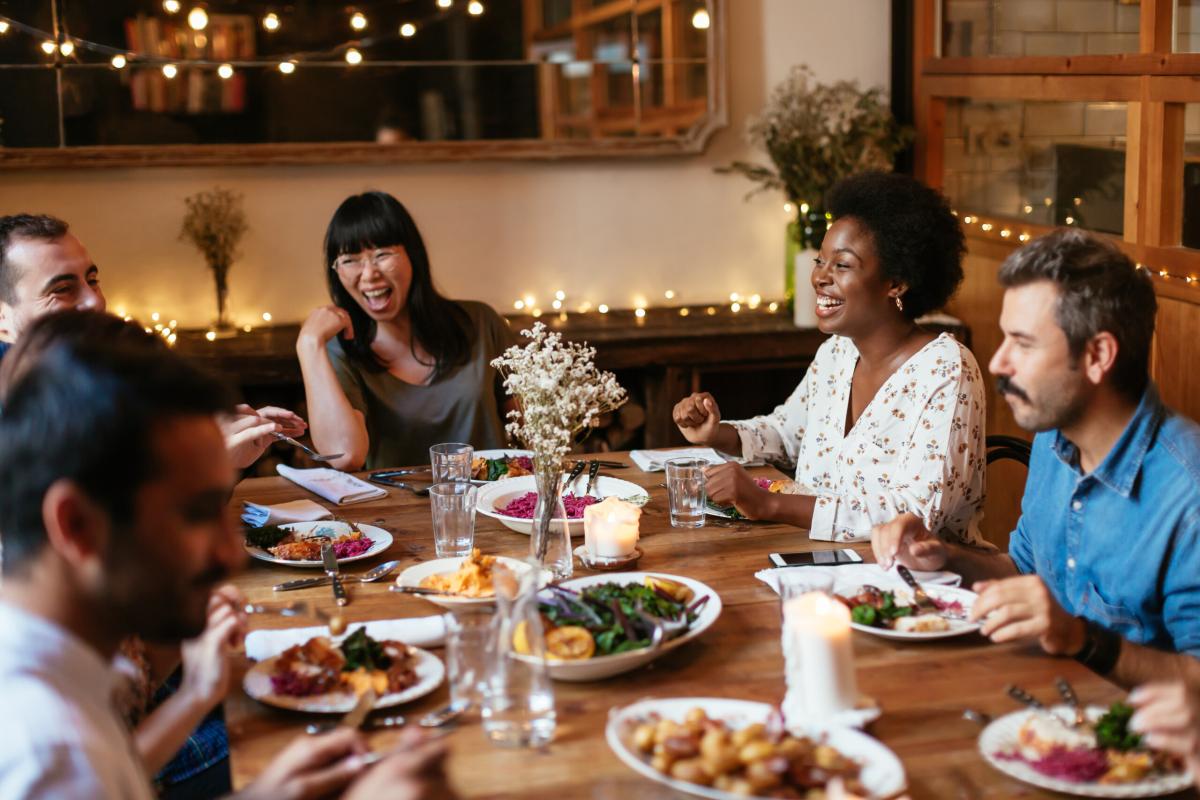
point(922, 688)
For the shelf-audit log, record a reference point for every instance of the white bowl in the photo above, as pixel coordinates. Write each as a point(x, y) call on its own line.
point(413, 576)
point(599, 667)
point(882, 774)
point(498, 494)
point(381, 540)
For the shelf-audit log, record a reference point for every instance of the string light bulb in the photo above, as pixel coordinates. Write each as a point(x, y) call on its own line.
point(985, 227)
point(556, 305)
point(711, 311)
point(3, 27)
point(639, 312)
point(211, 336)
point(353, 57)
point(408, 30)
point(560, 295)
point(197, 18)
point(773, 307)
point(287, 67)
point(225, 71)
point(48, 47)
point(474, 8)
point(266, 316)
point(735, 307)
point(358, 21)
point(270, 22)
point(444, 3)
point(169, 71)
point(520, 304)
point(66, 48)
point(701, 20)
point(755, 300)
point(683, 312)
point(602, 308)
point(118, 61)
point(171, 6)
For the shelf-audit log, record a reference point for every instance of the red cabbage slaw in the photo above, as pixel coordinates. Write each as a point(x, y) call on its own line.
point(1077, 765)
point(353, 547)
point(523, 506)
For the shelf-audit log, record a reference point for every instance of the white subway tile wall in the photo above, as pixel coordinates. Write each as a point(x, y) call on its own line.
point(1050, 27)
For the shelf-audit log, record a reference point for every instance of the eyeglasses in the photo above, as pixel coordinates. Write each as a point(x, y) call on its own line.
point(383, 260)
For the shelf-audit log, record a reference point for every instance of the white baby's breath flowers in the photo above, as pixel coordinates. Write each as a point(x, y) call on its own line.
point(559, 392)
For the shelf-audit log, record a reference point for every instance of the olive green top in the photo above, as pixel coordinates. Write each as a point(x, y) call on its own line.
point(404, 419)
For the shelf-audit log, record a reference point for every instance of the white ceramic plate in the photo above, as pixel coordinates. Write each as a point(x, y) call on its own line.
point(419, 572)
point(257, 683)
point(598, 667)
point(882, 774)
point(1000, 737)
point(947, 593)
point(381, 540)
point(498, 494)
point(503, 454)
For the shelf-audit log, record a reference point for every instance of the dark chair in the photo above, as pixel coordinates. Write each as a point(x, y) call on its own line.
point(999, 447)
point(1002, 509)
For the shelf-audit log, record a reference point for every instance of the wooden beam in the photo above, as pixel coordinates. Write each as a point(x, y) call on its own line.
point(1162, 180)
point(1156, 26)
point(927, 151)
point(1122, 64)
point(1039, 87)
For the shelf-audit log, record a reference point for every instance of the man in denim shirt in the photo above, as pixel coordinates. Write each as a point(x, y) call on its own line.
point(1104, 564)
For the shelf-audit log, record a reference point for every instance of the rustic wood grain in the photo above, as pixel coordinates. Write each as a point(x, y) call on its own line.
point(922, 689)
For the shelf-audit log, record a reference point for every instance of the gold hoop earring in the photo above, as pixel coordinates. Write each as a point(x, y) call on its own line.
point(899, 303)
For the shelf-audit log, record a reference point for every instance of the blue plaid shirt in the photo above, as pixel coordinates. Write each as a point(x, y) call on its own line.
point(1121, 545)
point(206, 746)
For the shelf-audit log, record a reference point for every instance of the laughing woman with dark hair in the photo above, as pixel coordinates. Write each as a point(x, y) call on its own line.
point(392, 367)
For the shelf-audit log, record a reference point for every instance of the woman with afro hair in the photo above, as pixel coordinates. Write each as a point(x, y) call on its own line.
point(889, 418)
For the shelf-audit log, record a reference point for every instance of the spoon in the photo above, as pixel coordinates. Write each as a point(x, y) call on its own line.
point(371, 576)
point(301, 608)
point(443, 715)
point(313, 454)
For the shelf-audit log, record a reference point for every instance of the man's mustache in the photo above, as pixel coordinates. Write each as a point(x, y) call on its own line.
point(1004, 385)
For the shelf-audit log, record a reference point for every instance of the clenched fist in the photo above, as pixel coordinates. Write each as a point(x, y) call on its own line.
point(698, 418)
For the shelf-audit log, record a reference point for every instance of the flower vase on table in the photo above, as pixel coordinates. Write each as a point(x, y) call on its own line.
point(804, 237)
point(550, 541)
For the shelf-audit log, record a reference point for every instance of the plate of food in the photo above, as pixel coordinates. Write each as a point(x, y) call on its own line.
point(728, 749)
point(892, 614)
point(326, 676)
point(729, 512)
point(468, 577)
point(512, 501)
point(586, 639)
point(496, 465)
point(298, 544)
point(1101, 758)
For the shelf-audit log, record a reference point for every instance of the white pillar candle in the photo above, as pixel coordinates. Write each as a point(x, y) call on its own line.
point(610, 528)
point(819, 660)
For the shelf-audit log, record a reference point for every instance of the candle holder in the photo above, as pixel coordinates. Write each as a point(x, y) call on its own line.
point(605, 564)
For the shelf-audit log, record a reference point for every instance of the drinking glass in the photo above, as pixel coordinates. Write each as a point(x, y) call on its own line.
point(798, 581)
point(470, 643)
point(451, 462)
point(685, 491)
point(453, 507)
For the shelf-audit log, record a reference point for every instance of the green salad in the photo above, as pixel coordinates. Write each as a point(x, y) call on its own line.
point(622, 617)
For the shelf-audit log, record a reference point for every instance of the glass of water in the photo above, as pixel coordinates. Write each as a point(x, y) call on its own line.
point(451, 462)
point(470, 648)
point(453, 507)
point(685, 491)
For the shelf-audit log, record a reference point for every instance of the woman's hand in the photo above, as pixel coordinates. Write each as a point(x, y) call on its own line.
point(248, 433)
point(311, 767)
point(1168, 715)
point(698, 418)
point(730, 485)
point(207, 658)
point(323, 324)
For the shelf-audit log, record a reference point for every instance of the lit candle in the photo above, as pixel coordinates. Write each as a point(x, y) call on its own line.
point(819, 660)
point(610, 528)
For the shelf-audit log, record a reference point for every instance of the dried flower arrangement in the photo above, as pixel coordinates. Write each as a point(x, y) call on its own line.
point(215, 222)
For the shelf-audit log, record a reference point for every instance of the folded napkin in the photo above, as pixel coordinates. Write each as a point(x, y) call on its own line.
point(656, 460)
point(418, 631)
point(337, 487)
point(257, 514)
point(851, 576)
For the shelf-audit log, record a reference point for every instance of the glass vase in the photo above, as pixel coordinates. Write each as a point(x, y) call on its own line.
point(550, 541)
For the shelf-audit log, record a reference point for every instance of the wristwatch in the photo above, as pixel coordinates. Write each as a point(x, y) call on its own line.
point(1101, 648)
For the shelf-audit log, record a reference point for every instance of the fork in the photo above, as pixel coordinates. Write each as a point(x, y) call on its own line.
point(313, 454)
point(593, 471)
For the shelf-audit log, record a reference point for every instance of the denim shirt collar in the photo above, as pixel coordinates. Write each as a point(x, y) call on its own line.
point(1120, 467)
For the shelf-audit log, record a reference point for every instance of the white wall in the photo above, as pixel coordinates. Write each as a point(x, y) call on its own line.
point(603, 231)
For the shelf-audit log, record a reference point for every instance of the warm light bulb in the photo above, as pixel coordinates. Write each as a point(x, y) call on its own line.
point(358, 21)
point(560, 295)
point(968, 219)
point(1024, 237)
point(197, 19)
point(537, 312)
point(247, 328)
point(66, 48)
point(171, 339)
point(271, 22)
point(353, 57)
point(735, 307)
point(444, 3)
point(1070, 220)
point(602, 308)
point(773, 307)
point(755, 299)
point(266, 316)
point(211, 336)
point(787, 208)
point(158, 326)
point(1028, 209)
point(711, 311)
point(169, 71)
point(118, 61)
point(669, 294)
point(408, 30)
point(639, 312)
point(683, 312)
point(173, 324)
point(529, 300)
point(3, 27)
point(48, 47)
point(287, 67)
point(556, 305)
point(701, 20)
point(734, 297)
point(171, 6)
point(474, 8)
point(1004, 234)
point(804, 208)
point(985, 227)
point(155, 317)
point(225, 71)
point(519, 305)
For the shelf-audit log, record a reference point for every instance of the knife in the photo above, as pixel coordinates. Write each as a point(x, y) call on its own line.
point(418, 590)
point(593, 471)
point(919, 597)
point(358, 714)
point(331, 569)
point(575, 472)
point(302, 583)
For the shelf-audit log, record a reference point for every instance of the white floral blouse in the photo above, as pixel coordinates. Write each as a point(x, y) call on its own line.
point(918, 446)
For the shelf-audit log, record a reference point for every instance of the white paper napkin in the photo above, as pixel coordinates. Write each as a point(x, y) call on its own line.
point(418, 631)
point(656, 460)
point(258, 514)
point(860, 574)
point(335, 486)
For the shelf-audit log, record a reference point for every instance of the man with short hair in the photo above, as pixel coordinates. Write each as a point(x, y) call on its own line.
point(113, 505)
point(1104, 564)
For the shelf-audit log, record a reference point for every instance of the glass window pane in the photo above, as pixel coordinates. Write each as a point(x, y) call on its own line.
point(1191, 176)
point(1050, 163)
point(1187, 26)
point(1039, 27)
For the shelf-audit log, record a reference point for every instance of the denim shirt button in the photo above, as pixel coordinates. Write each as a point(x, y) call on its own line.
point(1078, 504)
point(1070, 563)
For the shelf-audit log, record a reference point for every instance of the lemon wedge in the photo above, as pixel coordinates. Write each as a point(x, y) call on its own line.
point(570, 643)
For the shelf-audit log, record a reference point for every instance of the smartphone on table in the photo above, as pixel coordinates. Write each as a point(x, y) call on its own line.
point(819, 558)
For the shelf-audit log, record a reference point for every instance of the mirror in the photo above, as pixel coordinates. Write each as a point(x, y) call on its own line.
point(138, 82)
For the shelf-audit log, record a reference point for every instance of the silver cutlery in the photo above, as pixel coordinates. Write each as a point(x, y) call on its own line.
point(381, 723)
point(358, 714)
point(575, 473)
point(443, 715)
point(301, 608)
point(593, 471)
point(978, 717)
point(924, 601)
point(383, 480)
point(313, 454)
point(1024, 697)
point(331, 569)
point(419, 590)
point(378, 573)
point(1068, 694)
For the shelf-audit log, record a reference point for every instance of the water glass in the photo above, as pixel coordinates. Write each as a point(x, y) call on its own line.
point(451, 462)
point(453, 507)
point(685, 491)
point(470, 643)
point(798, 581)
